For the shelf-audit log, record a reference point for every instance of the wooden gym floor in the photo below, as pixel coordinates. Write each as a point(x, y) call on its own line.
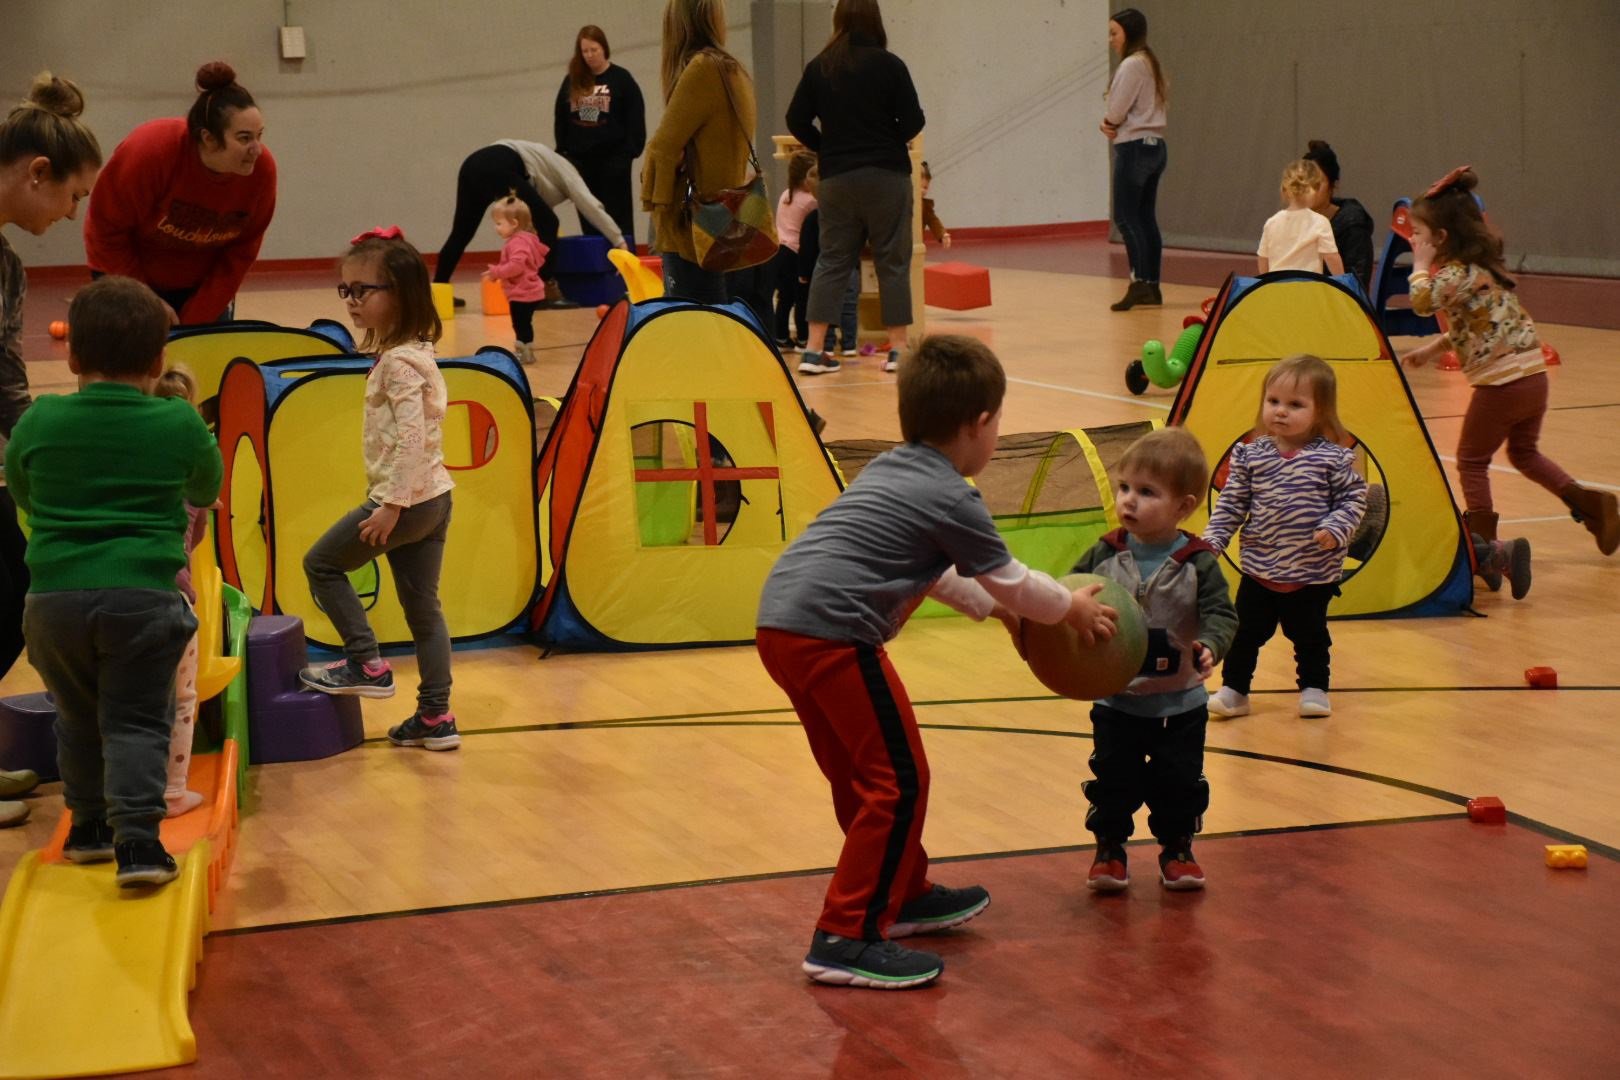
point(618, 872)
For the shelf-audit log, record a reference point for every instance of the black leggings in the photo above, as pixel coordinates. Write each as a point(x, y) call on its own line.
point(790, 295)
point(523, 319)
point(1303, 615)
point(485, 176)
point(609, 180)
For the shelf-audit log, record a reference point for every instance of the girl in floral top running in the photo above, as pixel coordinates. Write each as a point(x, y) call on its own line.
point(1457, 267)
point(406, 515)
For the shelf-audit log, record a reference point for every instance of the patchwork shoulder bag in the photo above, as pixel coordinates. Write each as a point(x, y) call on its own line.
point(736, 228)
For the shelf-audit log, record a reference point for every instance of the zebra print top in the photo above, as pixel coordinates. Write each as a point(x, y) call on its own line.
point(1280, 501)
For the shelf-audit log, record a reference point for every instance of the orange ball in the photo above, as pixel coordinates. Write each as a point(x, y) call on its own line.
point(601, 311)
point(58, 329)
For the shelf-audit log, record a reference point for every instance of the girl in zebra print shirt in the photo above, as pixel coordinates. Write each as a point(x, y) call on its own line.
point(1297, 498)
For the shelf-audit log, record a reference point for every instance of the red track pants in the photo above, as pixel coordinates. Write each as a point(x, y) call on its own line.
point(864, 736)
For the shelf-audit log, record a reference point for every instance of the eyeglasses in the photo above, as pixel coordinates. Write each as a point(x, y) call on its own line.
point(359, 290)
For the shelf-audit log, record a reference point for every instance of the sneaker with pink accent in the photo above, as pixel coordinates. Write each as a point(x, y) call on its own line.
point(430, 733)
point(373, 679)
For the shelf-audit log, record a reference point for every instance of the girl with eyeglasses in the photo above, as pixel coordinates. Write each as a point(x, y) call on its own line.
point(406, 514)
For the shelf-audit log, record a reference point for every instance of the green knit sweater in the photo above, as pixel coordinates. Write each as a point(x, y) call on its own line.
point(104, 476)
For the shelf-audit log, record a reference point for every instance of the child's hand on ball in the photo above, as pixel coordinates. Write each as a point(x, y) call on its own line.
point(1093, 620)
point(1014, 626)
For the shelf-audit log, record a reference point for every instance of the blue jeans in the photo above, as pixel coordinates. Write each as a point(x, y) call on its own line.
point(108, 657)
point(1137, 168)
point(687, 280)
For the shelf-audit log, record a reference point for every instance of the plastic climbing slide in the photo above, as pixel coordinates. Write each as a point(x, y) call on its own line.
point(94, 978)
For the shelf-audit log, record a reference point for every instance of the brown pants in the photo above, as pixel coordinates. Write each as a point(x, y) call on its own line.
point(1509, 413)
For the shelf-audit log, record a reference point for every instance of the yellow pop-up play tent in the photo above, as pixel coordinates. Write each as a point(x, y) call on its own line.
point(1417, 561)
point(680, 466)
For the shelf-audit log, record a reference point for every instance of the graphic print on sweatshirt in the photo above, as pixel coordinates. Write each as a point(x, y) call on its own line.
point(593, 108)
point(189, 225)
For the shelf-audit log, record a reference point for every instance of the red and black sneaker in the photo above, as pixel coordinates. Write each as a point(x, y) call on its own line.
point(1178, 870)
point(1108, 870)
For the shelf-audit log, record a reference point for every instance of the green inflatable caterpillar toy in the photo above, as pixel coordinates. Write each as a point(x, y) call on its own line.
point(1162, 370)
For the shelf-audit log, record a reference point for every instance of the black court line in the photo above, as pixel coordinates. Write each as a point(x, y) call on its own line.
point(697, 720)
point(712, 718)
point(779, 875)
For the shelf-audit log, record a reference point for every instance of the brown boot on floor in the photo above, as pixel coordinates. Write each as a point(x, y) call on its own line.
point(1139, 292)
point(1481, 525)
point(1599, 511)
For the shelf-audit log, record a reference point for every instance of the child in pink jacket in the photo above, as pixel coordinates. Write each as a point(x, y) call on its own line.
point(522, 255)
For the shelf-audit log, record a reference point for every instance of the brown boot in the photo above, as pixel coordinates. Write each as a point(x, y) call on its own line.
point(1139, 292)
point(1599, 511)
point(1481, 525)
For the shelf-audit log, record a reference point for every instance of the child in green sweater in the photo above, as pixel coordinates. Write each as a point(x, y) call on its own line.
point(104, 476)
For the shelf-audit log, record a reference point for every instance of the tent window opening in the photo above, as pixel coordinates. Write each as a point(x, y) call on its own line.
point(690, 489)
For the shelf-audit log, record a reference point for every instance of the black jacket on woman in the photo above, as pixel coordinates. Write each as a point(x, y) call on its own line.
point(610, 121)
point(1353, 233)
point(868, 111)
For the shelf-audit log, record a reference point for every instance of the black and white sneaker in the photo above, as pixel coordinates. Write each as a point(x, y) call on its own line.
point(144, 862)
point(89, 843)
point(348, 677)
point(939, 909)
point(872, 965)
point(817, 363)
point(441, 734)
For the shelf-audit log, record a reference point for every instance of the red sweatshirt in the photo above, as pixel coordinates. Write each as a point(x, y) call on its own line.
point(160, 216)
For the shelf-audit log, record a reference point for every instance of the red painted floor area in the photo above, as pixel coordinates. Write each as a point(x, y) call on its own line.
point(1438, 948)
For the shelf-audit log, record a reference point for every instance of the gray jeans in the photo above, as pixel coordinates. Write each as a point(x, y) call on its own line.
point(865, 205)
point(108, 657)
point(415, 552)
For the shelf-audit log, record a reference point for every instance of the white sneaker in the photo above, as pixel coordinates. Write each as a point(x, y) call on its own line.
point(525, 353)
point(1227, 703)
point(891, 363)
point(12, 813)
point(1314, 703)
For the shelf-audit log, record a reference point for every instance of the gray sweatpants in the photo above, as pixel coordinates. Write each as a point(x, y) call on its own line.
point(415, 552)
point(108, 657)
point(866, 205)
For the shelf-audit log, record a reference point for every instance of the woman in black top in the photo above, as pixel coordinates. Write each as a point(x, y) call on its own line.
point(601, 127)
point(867, 107)
point(1352, 225)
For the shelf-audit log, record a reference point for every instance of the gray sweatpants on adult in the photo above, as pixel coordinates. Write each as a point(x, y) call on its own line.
point(415, 552)
point(865, 205)
point(108, 657)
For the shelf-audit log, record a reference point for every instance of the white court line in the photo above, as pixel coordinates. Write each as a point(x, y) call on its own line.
point(1508, 469)
point(1530, 520)
point(1090, 393)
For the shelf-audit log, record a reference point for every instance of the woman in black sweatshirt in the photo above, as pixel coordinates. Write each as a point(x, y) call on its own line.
point(601, 127)
point(863, 98)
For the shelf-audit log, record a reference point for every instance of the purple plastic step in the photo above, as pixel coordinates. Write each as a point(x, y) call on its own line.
point(285, 721)
point(302, 725)
point(275, 652)
point(28, 734)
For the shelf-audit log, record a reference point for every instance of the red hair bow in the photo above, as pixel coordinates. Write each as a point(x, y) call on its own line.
point(1445, 181)
point(379, 233)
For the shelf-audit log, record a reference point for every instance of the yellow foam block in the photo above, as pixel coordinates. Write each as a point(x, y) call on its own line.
point(444, 300)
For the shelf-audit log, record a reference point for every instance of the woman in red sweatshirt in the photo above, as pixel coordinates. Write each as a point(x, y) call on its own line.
point(183, 203)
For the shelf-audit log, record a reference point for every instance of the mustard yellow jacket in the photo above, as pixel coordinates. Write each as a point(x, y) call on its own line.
point(698, 118)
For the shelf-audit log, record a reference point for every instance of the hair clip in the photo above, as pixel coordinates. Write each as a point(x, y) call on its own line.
point(1445, 183)
point(392, 232)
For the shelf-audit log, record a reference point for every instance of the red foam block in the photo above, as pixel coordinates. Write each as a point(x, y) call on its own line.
point(1487, 810)
point(1542, 678)
point(957, 286)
